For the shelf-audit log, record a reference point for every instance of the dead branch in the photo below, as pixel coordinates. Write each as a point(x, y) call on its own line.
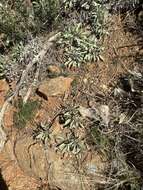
point(5, 106)
point(29, 91)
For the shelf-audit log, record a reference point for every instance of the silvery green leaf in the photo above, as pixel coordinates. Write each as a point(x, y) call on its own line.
point(70, 64)
point(67, 122)
point(62, 146)
point(76, 150)
point(40, 136)
point(68, 147)
point(123, 118)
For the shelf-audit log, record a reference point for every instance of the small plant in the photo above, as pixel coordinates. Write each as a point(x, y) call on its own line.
point(19, 20)
point(81, 40)
point(12, 64)
point(91, 13)
point(42, 133)
point(19, 57)
point(79, 46)
point(71, 119)
point(70, 4)
point(2, 69)
point(70, 145)
point(124, 5)
point(46, 12)
point(12, 24)
point(25, 112)
point(98, 19)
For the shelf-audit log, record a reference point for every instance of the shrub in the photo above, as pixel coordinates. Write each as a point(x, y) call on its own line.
point(42, 133)
point(79, 46)
point(19, 20)
point(46, 12)
point(81, 39)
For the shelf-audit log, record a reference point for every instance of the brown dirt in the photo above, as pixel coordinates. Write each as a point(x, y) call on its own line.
point(95, 81)
point(117, 61)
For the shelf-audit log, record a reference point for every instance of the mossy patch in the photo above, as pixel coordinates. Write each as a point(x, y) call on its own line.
point(25, 112)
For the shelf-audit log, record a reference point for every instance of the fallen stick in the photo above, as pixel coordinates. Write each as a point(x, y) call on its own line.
point(36, 59)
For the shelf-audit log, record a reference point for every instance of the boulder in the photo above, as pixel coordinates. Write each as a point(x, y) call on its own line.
point(31, 157)
point(64, 172)
point(11, 176)
point(72, 173)
point(54, 87)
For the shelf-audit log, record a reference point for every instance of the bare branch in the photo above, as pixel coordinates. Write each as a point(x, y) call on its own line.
point(36, 59)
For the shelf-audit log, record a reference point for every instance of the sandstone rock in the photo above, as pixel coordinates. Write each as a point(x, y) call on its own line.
point(31, 157)
point(55, 87)
point(8, 149)
point(8, 119)
point(63, 174)
point(12, 175)
point(68, 174)
point(53, 70)
point(4, 87)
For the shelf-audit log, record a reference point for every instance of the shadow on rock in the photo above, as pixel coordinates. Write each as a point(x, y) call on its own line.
point(3, 185)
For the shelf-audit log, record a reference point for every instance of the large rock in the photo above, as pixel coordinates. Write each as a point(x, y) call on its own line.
point(31, 157)
point(66, 173)
point(55, 87)
point(75, 173)
point(11, 176)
